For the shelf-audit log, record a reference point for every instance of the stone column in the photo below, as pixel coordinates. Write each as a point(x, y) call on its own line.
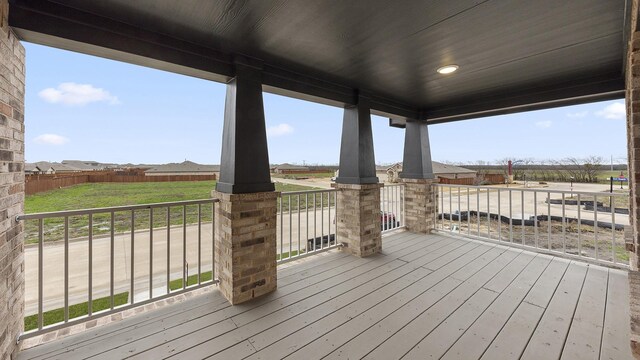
point(358, 215)
point(420, 206)
point(12, 70)
point(246, 245)
point(358, 209)
point(417, 175)
point(633, 147)
point(246, 214)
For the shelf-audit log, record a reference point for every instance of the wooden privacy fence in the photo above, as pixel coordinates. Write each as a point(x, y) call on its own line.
point(39, 183)
point(485, 179)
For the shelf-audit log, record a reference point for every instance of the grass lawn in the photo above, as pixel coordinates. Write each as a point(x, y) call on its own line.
point(98, 195)
point(56, 316)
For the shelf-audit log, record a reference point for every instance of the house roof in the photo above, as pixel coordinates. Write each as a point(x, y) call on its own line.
point(513, 55)
point(45, 165)
point(185, 166)
point(439, 168)
point(82, 165)
point(31, 167)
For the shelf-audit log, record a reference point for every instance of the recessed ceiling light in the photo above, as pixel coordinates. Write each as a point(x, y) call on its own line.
point(447, 69)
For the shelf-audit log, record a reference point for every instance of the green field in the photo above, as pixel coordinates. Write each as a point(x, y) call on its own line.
point(99, 195)
point(57, 316)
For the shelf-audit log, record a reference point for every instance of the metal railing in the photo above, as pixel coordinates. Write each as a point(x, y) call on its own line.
point(121, 257)
point(306, 223)
point(575, 224)
point(392, 207)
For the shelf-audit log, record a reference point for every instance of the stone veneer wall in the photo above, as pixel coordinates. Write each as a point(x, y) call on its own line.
point(358, 218)
point(419, 204)
point(246, 244)
point(12, 70)
point(633, 148)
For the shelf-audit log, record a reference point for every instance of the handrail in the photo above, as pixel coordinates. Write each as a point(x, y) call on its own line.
point(44, 215)
point(588, 225)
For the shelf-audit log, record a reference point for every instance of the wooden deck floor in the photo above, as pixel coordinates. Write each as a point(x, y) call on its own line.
point(426, 296)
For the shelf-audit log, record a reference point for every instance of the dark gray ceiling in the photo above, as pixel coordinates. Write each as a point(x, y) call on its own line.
point(513, 55)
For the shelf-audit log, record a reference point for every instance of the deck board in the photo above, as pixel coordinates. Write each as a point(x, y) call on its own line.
point(425, 296)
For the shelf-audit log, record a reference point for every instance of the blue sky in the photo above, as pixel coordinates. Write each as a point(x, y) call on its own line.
point(84, 107)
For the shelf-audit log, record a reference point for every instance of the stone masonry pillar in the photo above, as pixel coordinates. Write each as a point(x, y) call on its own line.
point(632, 73)
point(358, 209)
point(12, 70)
point(419, 205)
point(417, 176)
point(246, 214)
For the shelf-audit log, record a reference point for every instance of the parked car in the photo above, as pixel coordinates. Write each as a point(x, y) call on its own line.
point(389, 219)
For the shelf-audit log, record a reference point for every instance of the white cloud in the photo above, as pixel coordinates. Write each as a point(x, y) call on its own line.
point(50, 139)
point(613, 111)
point(279, 130)
point(544, 124)
point(578, 115)
point(70, 93)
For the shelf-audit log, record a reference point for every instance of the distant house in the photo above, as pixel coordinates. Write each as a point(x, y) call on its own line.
point(392, 172)
point(55, 168)
point(30, 168)
point(290, 169)
point(84, 165)
point(184, 168)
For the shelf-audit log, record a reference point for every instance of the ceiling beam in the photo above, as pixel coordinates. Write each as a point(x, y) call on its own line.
point(555, 95)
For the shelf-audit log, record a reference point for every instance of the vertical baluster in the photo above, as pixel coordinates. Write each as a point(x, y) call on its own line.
point(306, 210)
point(133, 258)
point(213, 241)
point(185, 268)
point(299, 232)
point(199, 244)
point(499, 218)
point(613, 230)
point(442, 207)
point(595, 225)
point(335, 202)
point(112, 263)
point(168, 249)
point(40, 271)
point(510, 216)
point(549, 220)
point(478, 209)
point(459, 213)
point(564, 222)
point(150, 253)
point(321, 220)
point(90, 285)
point(66, 269)
point(435, 206)
point(315, 225)
point(535, 217)
point(579, 227)
point(468, 212)
point(383, 192)
point(450, 208)
point(488, 214)
point(522, 222)
point(290, 226)
point(281, 228)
